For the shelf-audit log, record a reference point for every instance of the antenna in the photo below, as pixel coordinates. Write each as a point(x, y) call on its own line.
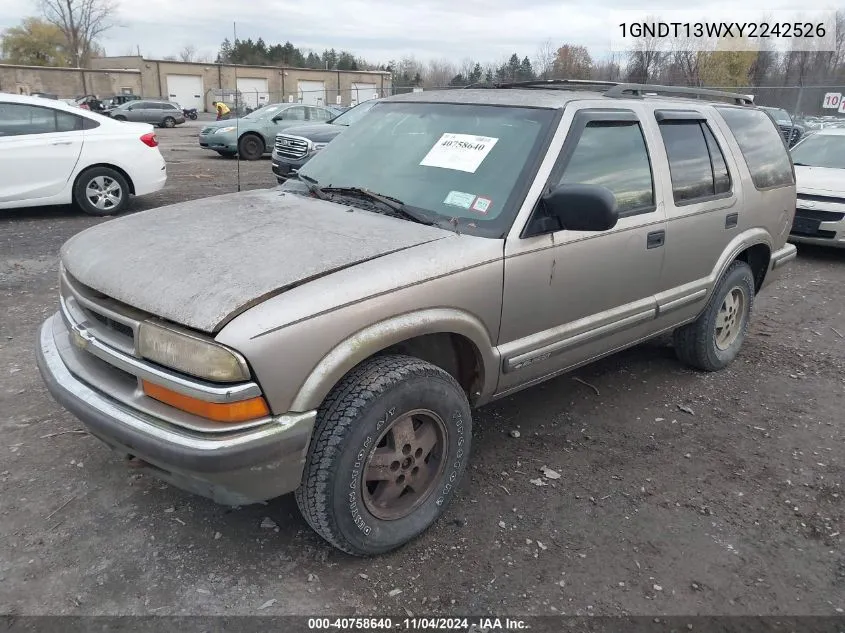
point(237, 113)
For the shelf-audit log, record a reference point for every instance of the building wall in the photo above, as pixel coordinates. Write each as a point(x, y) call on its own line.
point(67, 82)
point(282, 82)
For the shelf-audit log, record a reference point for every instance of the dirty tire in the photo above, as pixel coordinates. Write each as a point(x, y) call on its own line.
point(168, 121)
point(101, 191)
point(251, 147)
point(358, 411)
point(698, 343)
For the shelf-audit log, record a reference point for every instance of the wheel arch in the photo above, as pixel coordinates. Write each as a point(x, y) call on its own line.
point(453, 340)
point(119, 170)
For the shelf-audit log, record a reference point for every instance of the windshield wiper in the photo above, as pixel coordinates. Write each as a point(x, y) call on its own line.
point(312, 184)
point(397, 207)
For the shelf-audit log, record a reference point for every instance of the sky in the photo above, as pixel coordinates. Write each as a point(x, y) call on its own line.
point(381, 30)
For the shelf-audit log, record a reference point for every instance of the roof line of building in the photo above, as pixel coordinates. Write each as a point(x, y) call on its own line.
point(316, 70)
point(72, 68)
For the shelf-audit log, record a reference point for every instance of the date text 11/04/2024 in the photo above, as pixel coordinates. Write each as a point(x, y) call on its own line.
point(468, 625)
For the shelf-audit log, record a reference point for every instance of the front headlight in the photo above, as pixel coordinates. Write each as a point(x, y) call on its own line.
point(190, 354)
point(223, 130)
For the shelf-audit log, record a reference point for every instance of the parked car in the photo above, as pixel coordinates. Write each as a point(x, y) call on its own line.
point(331, 336)
point(252, 136)
point(791, 131)
point(89, 102)
point(160, 113)
point(296, 145)
point(54, 153)
point(820, 178)
point(116, 100)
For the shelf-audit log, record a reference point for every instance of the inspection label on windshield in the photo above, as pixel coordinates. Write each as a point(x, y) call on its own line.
point(461, 152)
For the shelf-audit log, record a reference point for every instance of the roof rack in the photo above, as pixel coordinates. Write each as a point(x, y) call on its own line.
point(640, 90)
point(576, 84)
point(618, 89)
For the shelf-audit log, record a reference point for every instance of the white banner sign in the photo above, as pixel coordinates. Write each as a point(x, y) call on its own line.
point(832, 101)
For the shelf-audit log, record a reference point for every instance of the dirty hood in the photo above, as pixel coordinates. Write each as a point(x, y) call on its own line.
point(201, 263)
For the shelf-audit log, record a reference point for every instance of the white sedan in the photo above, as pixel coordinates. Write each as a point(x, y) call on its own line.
point(53, 153)
point(820, 180)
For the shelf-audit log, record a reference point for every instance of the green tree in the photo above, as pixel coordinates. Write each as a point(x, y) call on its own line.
point(34, 43)
point(513, 68)
point(526, 71)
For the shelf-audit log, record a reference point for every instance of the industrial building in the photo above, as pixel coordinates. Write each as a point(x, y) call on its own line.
point(198, 85)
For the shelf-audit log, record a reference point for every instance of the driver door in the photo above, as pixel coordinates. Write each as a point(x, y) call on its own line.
point(572, 296)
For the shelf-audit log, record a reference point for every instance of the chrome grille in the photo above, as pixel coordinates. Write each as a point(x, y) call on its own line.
point(291, 147)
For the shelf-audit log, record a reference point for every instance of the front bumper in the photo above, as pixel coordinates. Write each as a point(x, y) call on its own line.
point(218, 142)
point(285, 167)
point(236, 468)
point(824, 230)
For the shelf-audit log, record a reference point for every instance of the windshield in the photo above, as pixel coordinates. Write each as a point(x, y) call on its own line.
point(462, 163)
point(354, 114)
point(779, 115)
point(821, 150)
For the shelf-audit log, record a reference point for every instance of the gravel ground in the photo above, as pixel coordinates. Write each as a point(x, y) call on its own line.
point(679, 492)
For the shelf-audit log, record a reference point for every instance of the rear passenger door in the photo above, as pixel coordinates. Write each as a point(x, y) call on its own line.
point(570, 296)
point(702, 214)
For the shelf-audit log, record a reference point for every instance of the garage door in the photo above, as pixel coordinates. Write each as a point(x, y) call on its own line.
point(312, 92)
point(363, 92)
point(186, 90)
point(254, 91)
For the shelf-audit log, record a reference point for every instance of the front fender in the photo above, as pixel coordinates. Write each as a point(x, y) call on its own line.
point(379, 336)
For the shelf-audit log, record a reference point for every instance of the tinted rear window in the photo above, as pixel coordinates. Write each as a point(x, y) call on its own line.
point(761, 145)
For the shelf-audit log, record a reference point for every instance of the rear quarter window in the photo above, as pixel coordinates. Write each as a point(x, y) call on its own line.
point(761, 145)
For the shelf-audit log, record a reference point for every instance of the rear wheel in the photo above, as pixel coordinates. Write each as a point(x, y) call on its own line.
point(101, 191)
point(712, 341)
point(251, 147)
point(390, 444)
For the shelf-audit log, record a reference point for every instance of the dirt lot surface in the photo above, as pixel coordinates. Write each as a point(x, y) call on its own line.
point(679, 492)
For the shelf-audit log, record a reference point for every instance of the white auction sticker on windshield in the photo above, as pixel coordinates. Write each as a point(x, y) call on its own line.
point(461, 152)
point(459, 199)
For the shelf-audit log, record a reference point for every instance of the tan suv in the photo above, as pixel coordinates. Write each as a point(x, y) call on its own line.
point(332, 336)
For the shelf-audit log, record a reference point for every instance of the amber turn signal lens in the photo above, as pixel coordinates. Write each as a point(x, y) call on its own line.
point(240, 411)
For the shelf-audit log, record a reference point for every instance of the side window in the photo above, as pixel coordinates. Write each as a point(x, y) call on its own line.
point(67, 122)
point(761, 145)
point(613, 154)
point(296, 113)
point(18, 119)
point(319, 114)
point(721, 177)
point(689, 160)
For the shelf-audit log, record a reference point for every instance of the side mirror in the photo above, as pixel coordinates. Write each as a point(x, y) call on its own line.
point(577, 208)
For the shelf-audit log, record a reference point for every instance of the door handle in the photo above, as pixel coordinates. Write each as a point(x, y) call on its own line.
point(656, 239)
point(62, 143)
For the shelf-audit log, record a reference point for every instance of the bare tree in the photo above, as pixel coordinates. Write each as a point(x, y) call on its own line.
point(188, 53)
point(81, 22)
point(440, 73)
point(544, 60)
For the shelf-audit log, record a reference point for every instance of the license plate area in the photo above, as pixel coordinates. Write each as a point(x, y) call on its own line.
point(805, 226)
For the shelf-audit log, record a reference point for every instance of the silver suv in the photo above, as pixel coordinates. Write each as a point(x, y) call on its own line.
point(332, 336)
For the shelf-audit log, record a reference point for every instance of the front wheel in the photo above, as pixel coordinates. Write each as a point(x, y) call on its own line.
point(168, 121)
point(712, 341)
point(389, 448)
point(251, 147)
